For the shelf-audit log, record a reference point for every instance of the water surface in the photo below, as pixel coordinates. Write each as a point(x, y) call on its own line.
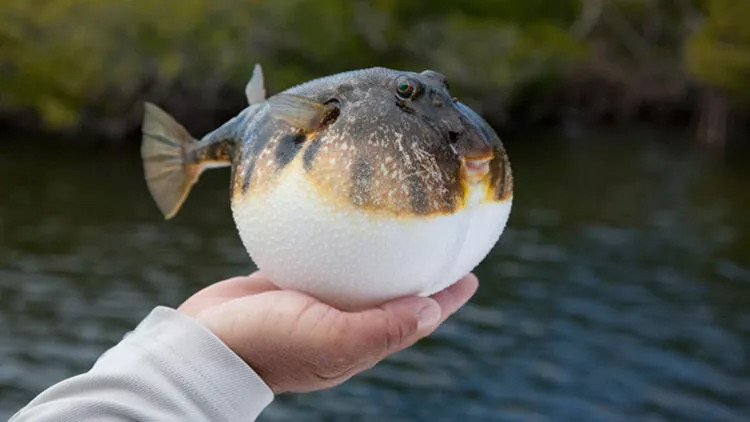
point(619, 292)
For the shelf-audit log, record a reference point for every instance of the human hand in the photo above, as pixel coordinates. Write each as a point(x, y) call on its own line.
point(297, 343)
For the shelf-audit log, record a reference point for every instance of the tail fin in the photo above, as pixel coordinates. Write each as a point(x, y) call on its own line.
point(169, 175)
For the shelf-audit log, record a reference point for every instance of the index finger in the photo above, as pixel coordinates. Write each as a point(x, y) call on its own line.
point(225, 290)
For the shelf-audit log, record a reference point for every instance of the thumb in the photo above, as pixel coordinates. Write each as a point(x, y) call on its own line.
point(419, 315)
point(398, 324)
point(393, 325)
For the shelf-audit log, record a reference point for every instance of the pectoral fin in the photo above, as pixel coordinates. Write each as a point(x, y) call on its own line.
point(301, 112)
point(255, 89)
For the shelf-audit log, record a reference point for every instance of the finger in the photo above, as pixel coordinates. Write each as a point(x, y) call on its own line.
point(449, 301)
point(255, 283)
point(400, 323)
point(456, 295)
point(389, 327)
point(226, 290)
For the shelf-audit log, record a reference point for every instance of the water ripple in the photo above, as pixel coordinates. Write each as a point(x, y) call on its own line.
point(627, 301)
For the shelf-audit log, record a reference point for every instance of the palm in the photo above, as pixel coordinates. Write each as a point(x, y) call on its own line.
point(297, 343)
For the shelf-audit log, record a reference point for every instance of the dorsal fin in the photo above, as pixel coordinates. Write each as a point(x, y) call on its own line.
point(255, 90)
point(302, 112)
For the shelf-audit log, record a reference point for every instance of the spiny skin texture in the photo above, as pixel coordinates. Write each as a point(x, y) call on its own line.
point(382, 153)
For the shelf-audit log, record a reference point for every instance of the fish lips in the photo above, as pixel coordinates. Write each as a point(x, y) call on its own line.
point(475, 144)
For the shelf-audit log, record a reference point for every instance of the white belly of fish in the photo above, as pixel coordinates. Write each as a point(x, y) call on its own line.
point(354, 259)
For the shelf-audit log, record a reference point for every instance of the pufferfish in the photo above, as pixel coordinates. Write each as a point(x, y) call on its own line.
point(355, 188)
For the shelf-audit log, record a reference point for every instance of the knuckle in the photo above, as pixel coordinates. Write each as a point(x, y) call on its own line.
point(396, 333)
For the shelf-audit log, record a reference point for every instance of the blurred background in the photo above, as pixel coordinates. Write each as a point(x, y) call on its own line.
point(620, 290)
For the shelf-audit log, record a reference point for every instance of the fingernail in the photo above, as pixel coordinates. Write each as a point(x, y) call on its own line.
point(429, 315)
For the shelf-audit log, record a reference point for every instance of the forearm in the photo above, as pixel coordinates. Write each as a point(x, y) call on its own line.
point(169, 368)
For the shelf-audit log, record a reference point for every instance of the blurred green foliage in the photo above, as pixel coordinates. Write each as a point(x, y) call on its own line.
point(93, 62)
point(719, 53)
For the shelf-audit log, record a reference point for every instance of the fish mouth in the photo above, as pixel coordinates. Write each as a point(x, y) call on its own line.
point(476, 168)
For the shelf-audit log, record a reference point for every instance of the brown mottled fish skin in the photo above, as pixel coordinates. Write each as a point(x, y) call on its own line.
point(381, 153)
point(217, 152)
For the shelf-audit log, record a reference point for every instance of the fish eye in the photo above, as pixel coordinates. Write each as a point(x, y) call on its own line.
point(405, 88)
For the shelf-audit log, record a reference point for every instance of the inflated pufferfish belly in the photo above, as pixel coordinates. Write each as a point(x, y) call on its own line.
point(355, 258)
point(375, 197)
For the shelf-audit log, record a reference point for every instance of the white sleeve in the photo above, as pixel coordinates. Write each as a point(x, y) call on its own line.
point(170, 368)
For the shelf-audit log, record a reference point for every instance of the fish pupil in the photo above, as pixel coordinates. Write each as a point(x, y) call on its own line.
point(404, 88)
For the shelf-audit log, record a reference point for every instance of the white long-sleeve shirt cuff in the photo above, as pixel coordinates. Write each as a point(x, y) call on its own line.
point(169, 368)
